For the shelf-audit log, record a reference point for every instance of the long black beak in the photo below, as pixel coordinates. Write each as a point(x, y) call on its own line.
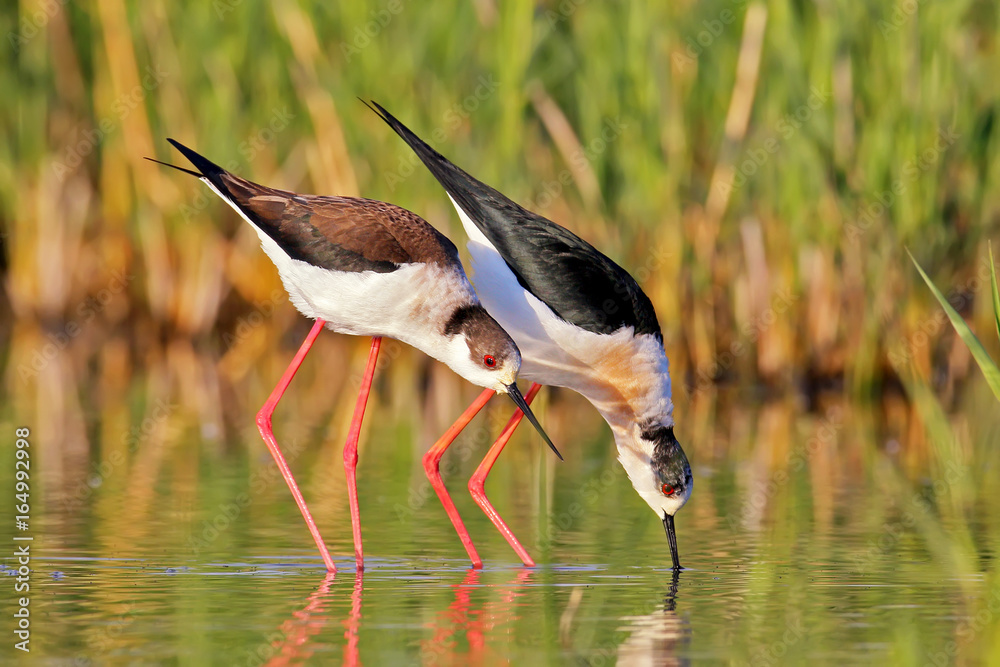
point(515, 395)
point(668, 525)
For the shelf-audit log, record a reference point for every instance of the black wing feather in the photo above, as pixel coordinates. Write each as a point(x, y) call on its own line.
point(579, 283)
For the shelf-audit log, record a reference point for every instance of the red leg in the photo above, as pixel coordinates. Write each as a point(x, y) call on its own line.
point(478, 482)
point(264, 425)
point(432, 460)
point(351, 450)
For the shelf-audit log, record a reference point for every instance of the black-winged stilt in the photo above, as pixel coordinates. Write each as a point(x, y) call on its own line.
point(580, 321)
point(369, 268)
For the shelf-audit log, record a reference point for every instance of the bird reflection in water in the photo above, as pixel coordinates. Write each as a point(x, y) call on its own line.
point(478, 625)
point(653, 639)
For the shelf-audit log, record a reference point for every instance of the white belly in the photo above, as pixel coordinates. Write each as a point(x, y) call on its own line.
point(409, 304)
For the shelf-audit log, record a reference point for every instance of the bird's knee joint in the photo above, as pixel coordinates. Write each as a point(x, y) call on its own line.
point(477, 486)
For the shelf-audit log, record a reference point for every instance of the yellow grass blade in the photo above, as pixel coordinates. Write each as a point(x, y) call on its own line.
point(996, 293)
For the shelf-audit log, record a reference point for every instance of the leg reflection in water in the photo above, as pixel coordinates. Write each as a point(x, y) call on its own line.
point(479, 625)
point(302, 626)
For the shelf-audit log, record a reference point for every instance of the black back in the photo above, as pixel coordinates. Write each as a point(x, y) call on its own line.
point(579, 283)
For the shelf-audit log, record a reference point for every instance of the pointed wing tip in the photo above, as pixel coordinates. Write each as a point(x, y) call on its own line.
point(381, 112)
point(208, 169)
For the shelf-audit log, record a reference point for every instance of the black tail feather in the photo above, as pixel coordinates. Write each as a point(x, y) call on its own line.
point(481, 202)
point(428, 155)
point(208, 169)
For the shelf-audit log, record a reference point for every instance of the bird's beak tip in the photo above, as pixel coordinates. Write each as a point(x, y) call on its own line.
point(515, 395)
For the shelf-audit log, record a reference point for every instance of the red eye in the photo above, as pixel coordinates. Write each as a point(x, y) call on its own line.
point(667, 490)
point(490, 361)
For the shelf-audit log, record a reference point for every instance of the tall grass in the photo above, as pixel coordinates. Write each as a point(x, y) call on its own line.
point(759, 167)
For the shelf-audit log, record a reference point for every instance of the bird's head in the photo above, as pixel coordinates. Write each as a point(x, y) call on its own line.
point(480, 350)
point(660, 472)
point(484, 354)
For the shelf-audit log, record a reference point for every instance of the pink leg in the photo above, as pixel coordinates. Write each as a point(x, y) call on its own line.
point(432, 460)
point(478, 482)
point(351, 450)
point(264, 425)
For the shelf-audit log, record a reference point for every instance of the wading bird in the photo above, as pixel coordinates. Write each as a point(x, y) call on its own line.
point(368, 268)
point(580, 321)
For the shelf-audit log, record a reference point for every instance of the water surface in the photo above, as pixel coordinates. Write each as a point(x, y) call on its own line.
point(804, 547)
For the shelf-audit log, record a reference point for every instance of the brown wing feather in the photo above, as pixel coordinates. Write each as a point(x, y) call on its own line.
point(342, 233)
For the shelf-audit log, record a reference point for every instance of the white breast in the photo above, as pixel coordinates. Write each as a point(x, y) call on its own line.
point(410, 304)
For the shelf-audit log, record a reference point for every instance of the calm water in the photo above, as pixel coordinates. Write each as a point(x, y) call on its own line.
point(203, 559)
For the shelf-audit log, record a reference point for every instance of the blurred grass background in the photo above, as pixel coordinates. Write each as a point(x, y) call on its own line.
point(760, 168)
